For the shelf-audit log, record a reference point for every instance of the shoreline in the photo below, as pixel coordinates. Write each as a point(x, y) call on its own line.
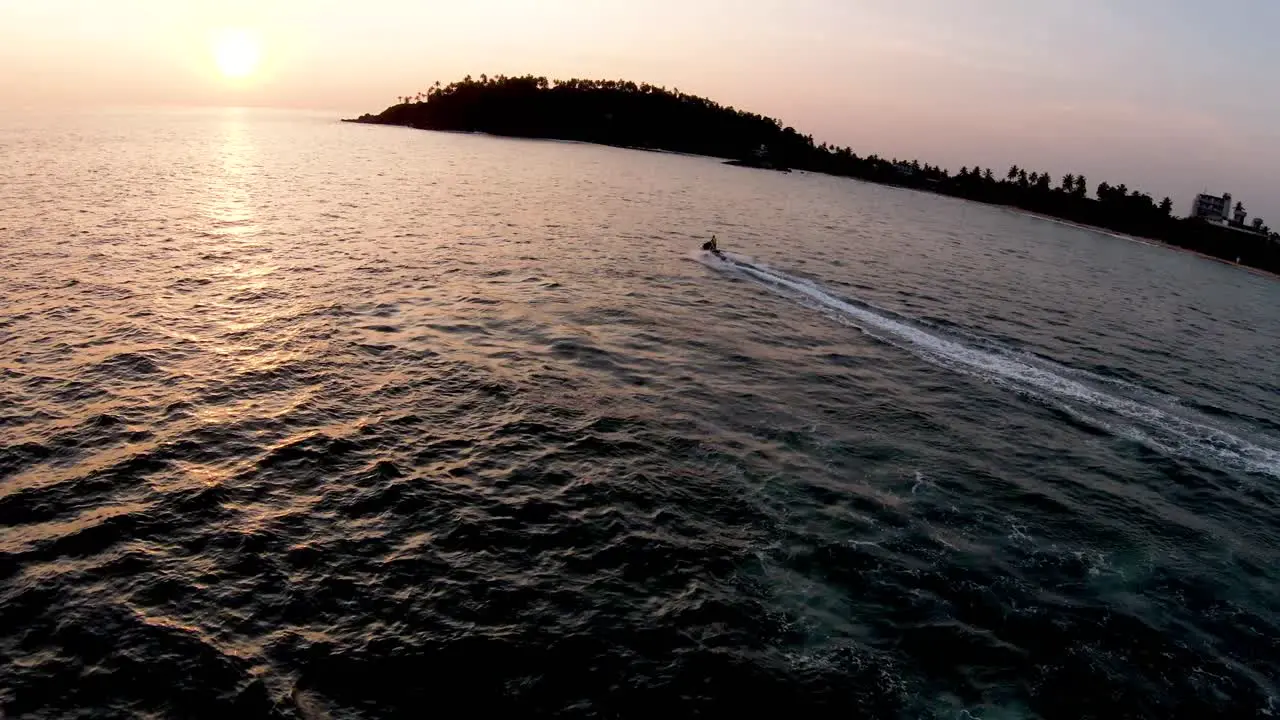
point(1152, 242)
point(374, 120)
point(531, 138)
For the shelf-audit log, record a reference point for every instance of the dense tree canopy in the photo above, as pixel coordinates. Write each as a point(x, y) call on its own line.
point(612, 112)
point(617, 112)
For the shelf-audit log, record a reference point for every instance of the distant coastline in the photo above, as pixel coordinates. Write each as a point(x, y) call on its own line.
point(645, 117)
point(1145, 241)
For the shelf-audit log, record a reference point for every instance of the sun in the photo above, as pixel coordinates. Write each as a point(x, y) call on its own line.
point(237, 52)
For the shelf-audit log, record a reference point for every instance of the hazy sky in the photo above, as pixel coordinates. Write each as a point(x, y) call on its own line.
point(1169, 96)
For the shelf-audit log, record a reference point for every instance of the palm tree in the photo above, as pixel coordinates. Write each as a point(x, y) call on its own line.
point(1068, 182)
point(1166, 206)
point(1082, 186)
point(989, 176)
point(1013, 173)
point(1022, 177)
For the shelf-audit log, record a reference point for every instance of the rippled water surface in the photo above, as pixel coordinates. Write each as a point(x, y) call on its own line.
point(304, 419)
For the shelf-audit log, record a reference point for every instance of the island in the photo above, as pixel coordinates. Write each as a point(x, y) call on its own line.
point(647, 117)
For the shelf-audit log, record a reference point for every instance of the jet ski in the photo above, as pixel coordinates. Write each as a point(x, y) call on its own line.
point(711, 247)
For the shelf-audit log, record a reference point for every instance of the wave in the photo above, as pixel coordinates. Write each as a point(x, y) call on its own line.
point(1180, 432)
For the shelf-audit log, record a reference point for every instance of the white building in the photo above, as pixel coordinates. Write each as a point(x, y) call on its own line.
point(1212, 208)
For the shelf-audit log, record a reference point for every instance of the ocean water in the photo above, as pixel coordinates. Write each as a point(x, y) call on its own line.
point(301, 419)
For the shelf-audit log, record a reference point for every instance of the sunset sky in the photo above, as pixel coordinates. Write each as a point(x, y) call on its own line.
point(1170, 96)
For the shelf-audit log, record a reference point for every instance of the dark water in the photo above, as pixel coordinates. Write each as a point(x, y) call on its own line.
point(300, 419)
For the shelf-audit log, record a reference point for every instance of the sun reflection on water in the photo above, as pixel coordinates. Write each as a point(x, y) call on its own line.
point(229, 206)
point(246, 292)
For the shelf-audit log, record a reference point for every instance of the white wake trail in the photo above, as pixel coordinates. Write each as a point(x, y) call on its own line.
point(1162, 430)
